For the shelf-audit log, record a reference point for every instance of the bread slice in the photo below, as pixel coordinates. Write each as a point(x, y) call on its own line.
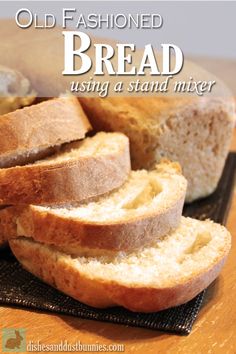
point(30, 133)
point(79, 171)
point(8, 227)
point(147, 206)
point(196, 132)
point(169, 273)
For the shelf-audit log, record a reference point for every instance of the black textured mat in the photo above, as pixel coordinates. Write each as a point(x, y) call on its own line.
point(19, 288)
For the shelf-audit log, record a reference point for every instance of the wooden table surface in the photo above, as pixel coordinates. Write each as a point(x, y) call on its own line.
point(213, 332)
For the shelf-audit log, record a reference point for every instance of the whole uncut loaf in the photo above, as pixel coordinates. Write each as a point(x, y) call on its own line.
point(170, 272)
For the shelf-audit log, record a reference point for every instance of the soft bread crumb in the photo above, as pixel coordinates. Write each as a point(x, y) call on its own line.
point(142, 193)
point(167, 263)
point(147, 206)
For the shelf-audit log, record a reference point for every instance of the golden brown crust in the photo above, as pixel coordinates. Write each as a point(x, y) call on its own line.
point(8, 228)
point(70, 280)
point(63, 182)
point(46, 124)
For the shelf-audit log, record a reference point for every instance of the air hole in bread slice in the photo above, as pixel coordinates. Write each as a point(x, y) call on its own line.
point(150, 190)
point(202, 240)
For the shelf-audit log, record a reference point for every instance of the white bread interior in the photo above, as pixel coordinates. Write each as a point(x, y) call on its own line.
point(170, 272)
point(146, 206)
point(140, 195)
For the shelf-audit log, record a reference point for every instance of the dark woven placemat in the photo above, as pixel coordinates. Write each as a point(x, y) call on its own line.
point(20, 288)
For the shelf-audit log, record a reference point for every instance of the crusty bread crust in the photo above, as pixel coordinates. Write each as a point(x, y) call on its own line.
point(126, 234)
point(43, 125)
point(50, 267)
point(76, 179)
point(8, 228)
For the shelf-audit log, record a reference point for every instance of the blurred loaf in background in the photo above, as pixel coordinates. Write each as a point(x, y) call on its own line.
point(15, 90)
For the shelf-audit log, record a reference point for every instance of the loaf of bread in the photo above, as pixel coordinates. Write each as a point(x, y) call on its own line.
point(15, 90)
point(31, 133)
point(129, 247)
point(194, 132)
point(146, 207)
point(78, 171)
point(170, 272)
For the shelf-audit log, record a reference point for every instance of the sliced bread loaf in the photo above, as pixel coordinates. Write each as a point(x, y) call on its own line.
point(147, 206)
point(79, 171)
point(169, 273)
point(30, 133)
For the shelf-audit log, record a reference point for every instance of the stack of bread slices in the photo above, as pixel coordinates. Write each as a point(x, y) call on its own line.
point(76, 216)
